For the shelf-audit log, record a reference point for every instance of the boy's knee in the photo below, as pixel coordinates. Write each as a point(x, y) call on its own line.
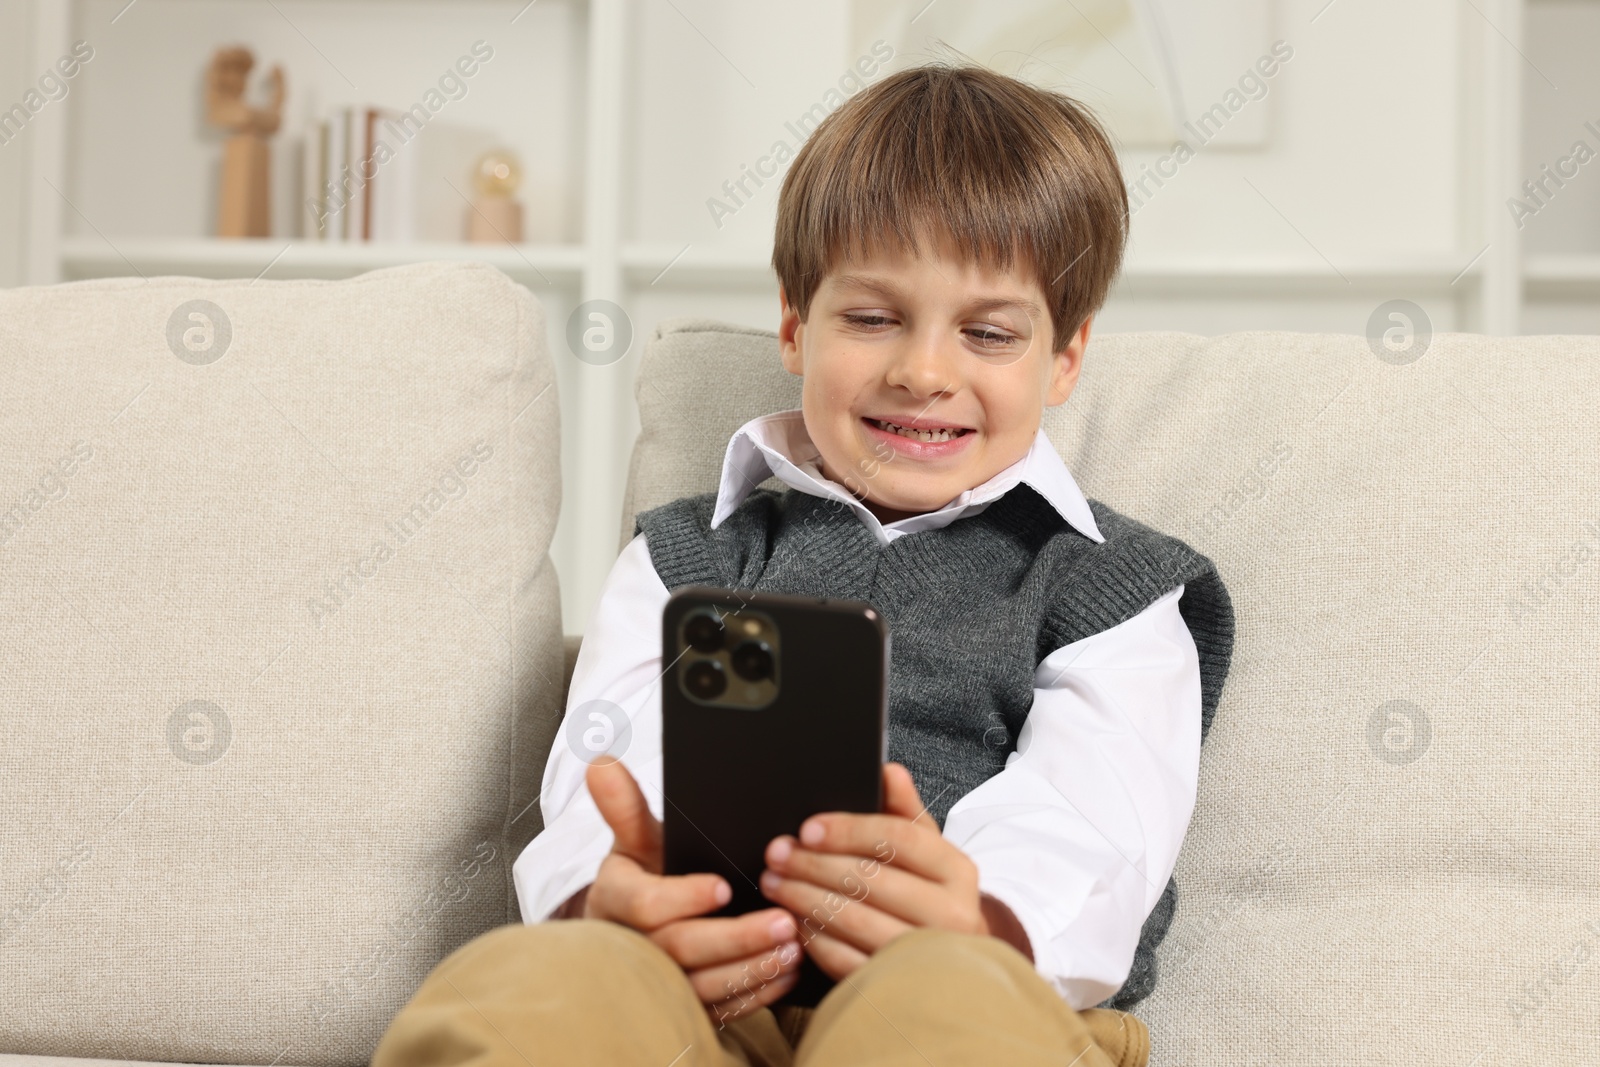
point(573, 950)
point(587, 942)
point(583, 990)
point(925, 950)
point(927, 943)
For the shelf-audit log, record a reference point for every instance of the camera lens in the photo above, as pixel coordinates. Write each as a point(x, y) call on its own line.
point(752, 660)
point(704, 632)
point(705, 679)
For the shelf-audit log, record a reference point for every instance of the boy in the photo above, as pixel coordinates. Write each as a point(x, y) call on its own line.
point(943, 240)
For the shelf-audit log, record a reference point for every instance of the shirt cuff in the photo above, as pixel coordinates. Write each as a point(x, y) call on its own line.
point(1078, 992)
point(563, 859)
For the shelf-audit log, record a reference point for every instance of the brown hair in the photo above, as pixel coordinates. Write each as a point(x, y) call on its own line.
point(1005, 169)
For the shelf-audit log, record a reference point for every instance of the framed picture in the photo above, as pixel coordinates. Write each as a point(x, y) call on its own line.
point(1146, 67)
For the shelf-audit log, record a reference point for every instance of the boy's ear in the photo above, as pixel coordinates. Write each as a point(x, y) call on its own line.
point(789, 328)
point(1066, 364)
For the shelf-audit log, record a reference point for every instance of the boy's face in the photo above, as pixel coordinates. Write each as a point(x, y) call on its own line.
point(934, 341)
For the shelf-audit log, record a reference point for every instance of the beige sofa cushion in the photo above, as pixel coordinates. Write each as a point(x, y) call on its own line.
point(247, 808)
point(10, 1060)
point(1396, 852)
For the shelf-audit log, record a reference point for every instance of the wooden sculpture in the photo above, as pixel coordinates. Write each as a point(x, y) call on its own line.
point(244, 202)
point(495, 214)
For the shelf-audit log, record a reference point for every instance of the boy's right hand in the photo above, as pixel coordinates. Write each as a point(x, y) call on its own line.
point(736, 965)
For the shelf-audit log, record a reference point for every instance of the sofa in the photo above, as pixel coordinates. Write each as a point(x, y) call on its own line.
point(283, 658)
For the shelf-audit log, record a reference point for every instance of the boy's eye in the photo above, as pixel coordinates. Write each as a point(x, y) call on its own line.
point(867, 319)
point(989, 338)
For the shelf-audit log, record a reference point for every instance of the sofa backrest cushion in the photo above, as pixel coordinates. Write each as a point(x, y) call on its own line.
point(1396, 849)
point(281, 652)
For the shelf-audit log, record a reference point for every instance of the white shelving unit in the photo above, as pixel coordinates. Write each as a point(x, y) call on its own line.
point(1485, 279)
point(91, 257)
point(643, 264)
point(1576, 272)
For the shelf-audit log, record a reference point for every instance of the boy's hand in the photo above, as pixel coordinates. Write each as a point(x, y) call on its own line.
point(856, 882)
point(735, 965)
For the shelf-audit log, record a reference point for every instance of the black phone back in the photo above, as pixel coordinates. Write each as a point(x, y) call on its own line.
point(773, 708)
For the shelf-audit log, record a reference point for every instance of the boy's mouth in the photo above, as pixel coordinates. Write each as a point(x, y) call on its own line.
point(920, 429)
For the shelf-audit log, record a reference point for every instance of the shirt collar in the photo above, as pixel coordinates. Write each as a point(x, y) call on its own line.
point(777, 445)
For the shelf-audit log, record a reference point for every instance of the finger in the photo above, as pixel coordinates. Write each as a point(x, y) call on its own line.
point(900, 796)
point(903, 894)
point(622, 805)
point(699, 943)
point(917, 847)
point(821, 910)
point(626, 893)
point(725, 1011)
point(740, 980)
point(837, 959)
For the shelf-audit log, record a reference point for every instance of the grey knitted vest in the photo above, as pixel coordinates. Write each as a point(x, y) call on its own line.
point(972, 608)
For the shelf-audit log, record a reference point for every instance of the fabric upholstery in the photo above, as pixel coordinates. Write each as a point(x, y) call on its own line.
point(23, 1060)
point(282, 652)
point(1395, 857)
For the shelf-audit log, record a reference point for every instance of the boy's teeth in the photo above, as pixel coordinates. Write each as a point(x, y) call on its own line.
point(918, 435)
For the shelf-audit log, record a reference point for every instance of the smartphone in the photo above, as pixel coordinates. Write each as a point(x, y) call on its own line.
point(773, 708)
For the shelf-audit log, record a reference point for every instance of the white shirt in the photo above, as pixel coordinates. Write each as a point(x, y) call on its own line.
point(1077, 834)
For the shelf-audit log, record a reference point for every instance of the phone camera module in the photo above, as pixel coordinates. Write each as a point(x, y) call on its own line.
point(704, 632)
point(752, 660)
point(728, 657)
point(705, 679)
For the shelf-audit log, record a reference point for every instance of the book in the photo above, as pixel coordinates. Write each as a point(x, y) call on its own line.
point(367, 171)
point(393, 193)
point(377, 174)
point(313, 171)
point(350, 217)
point(335, 195)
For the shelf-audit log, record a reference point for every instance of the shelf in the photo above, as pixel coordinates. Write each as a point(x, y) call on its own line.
point(1562, 276)
point(95, 257)
point(1270, 276)
point(662, 264)
point(648, 265)
point(659, 264)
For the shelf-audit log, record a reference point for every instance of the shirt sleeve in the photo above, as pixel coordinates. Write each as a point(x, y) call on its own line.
point(1079, 833)
point(619, 663)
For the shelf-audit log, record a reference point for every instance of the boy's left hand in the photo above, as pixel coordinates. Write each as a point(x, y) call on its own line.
point(855, 882)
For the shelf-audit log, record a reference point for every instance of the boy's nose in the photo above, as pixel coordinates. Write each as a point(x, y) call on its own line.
point(925, 366)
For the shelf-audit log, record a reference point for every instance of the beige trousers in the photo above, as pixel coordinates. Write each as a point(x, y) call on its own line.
point(583, 991)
